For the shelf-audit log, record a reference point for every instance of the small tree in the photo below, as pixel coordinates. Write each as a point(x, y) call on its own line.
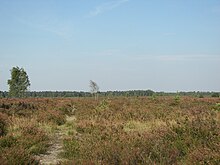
point(19, 82)
point(94, 89)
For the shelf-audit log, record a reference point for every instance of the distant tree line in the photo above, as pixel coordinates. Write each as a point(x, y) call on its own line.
point(19, 84)
point(40, 94)
point(81, 94)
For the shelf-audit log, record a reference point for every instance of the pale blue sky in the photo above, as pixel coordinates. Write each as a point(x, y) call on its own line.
point(163, 45)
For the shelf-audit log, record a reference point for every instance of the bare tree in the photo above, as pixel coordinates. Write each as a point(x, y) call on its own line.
point(94, 89)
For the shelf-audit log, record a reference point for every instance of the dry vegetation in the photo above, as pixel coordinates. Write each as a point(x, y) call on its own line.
point(118, 130)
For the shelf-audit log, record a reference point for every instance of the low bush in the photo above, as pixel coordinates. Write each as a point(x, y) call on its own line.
point(17, 155)
point(117, 130)
point(54, 116)
point(215, 94)
point(23, 140)
point(3, 124)
point(145, 131)
point(7, 141)
point(71, 148)
point(184, 138)
point(217, 107)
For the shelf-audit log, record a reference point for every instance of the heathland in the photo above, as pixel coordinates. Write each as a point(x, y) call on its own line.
point(110, 130)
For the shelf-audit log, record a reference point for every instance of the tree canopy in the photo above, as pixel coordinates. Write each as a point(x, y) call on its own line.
point(19, 82)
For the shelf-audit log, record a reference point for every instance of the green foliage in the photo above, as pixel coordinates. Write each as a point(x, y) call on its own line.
point(103, 105)
point(215, 94)
point(19, 82)
point(217, 107)
point(3, 94)
point(7, 141)
point(153, 96)
point(71, 148)
point(3, 124)
point(131, 93)
point(176, 100)
point(201, 96)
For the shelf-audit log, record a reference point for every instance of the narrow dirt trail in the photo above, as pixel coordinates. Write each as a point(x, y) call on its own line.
point(52, 156)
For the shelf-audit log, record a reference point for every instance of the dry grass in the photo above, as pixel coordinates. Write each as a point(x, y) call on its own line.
point(133, 130)
point(136, 126)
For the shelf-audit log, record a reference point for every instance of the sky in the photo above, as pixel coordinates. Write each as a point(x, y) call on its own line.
point(162, 45)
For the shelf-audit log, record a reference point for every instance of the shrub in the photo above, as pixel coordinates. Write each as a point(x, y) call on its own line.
point(17, 155)
point(103, 105)
point(153, 97)
point(176, 101)
point(215, 94)
point(216, 107)
point(25, 134)
point(12, 152)
point(54, 116)
point(134, 130)
point(71, 147)
point(7, 141)
point(186, 137)
point(67, 109)
point(201, 96)
point(177, 98)
point(3, 124)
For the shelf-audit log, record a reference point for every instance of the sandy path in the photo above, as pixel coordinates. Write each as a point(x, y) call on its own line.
point(52, 155)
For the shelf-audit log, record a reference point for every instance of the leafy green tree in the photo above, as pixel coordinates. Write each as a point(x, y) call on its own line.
point(19, 82)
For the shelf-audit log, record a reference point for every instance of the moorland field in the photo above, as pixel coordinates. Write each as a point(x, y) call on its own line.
point(115, 130)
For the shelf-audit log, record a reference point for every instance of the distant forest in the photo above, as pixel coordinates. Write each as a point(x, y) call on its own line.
point(5, 94)
point(20, 83)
